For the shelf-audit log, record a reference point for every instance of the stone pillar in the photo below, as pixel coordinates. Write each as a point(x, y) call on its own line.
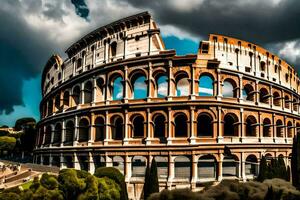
point(241, 88)
point(92, 129)
point(126, 84)
point(91, 163)
point(192, 125)
point(194, 171)
point(76, 131)
point(170, 136)
point(94, 56)
point(170, 81)
point(219, 87)
point(193, 94)
point(94, 91)
point(150, 81)
point(74, 68)
point(271, 97)
point(274, 127)
point(242, 134)
point(125, 46)
point(52, 136)
point(220, 168)
point(50, 159)
point(127, 170)
point(63, 133)
point(256, 93)
point(148, 132)
point(76, 162)
point(243, 166)
point(108, 161)
point(171, 171)
point(126, 138)
point(107, 129)
point(82, 94)
point(220, 125)
point(62, 162)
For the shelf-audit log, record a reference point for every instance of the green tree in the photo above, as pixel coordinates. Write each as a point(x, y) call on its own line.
point(263, 169)
point(115, 175)
point(7, 143)
point(282, 169)
point(151, 184)
point(295, 162)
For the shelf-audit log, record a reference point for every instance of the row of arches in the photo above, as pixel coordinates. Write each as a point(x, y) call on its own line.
point(205, 127)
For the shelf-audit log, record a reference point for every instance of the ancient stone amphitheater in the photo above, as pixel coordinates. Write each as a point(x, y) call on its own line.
point(121, 99)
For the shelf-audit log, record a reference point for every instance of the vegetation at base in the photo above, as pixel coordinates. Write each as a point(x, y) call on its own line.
point(116, 175)
point(151, 184)
point(271, 189)
point(274, 169)
point(7, 144)
point(295, 162)
point(70, 184)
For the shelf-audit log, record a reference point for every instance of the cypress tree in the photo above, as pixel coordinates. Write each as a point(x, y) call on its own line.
point(263, 169)
point(282, 173)
point(288, 173)
point(295, 168)
point(151, 184)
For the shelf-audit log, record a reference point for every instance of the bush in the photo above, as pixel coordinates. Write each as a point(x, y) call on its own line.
point(70, 184)
point(108, 189)
point(151, 180)
point(91, 191)
point(7, 143)
point(49, 181)
point(35, 184)
point(115, 175)
point(9, 196)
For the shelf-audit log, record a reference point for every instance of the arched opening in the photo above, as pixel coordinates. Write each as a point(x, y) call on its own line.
point(251, 125)
point(88, 92)
point(295, 105)
point(262, 66)
point(276, 99)
point(76, 95)
point(229, 89)
point(84, 128)
point(117, 88)
point(162, 86)
point(139, 87)
point(100, 84)
point(182, 168)
point(118, 163)
point(100, 129)
point(99, 161)
point(117, 128)
point(66, 99)
point(113, 49)
point(267, 127)
point(279, 128)
point(264, 95)
point(46, 160)
point(50, 107)
point(57, 134)
point(69, 161)
point(182, 85)
point(69, 138)
point(231, 125)
point(57, 102)
point(139, 164)
point(287, 102)
point(79, 63)
point(290, 129)
point(251, 166)
point(159, 126)
point(83, 162)
point(206, 86)
point(56, 161)
point(207, 167)
point(181, 128)
point(248, 92)
point(230, 166)
point(138, 126)
point(204, 125)
point(48, 135)
point(162, 167)
point(298, 128)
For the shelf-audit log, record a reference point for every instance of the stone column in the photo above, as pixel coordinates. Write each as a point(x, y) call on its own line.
point(243, 166)
point(91, 163)
point(94, 56)
point(220, 125)
point(150, 81)
point(82, 94)
point(148, 132)
point(94, 90)
point(274, 127)
point(107, 129)
point(193, 94)
point(62, 162)
point(126, 84)
point(194, 171)
point(108, 161)
point(92, 130)
point(192, 125)
point(63, 133)
point(219, 87)
point(76, 162)
point(220, 168)
point(170, 136)
point(52, 136)
point(271, 97)
point(76, 131)
point(170, 81)
point(126, 138)
point(241, 88)
point(125, 46)
point(256, 93)
point(242, 134)
point(127, 170)
point(171, 171)
point(50, 159)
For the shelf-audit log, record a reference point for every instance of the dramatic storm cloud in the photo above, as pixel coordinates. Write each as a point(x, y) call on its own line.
point(32, 30)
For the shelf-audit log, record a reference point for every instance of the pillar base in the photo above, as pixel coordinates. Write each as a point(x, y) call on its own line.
point(220, 139)
point(125, 141)
point(193, 140)
point(169, 141)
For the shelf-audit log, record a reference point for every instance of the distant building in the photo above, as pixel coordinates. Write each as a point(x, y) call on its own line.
point(121, 99)
point(10, 130)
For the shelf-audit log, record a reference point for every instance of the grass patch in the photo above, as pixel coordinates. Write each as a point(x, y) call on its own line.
point(26, 185)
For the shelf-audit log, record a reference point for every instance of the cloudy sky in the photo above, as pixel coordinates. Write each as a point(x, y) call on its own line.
point(32, 30)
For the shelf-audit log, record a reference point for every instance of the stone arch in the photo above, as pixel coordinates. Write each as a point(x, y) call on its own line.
point(251, 126)
point(100, 92)
point(99, 124)
point(206, 85)
point(204, 125)
point(139, 164)
point(181, 125)
point(251, 165)
point(138, 83)
point(118, 163)
point(267, 127)
point(290, 128)
point(182, 83)
point(162, 166)
point(287, 102)
point(182, 167)
point(70, 129)
point(50, 107)
point(159, 123)
point(116, 81)
point(57, 134)
point(295, 104)
point(138, 126)
point(279, 128)
point(264, 95)
point(84, 130)
point(161, 85)
point(229, 88)
point(88, 92)
point(276, 99)
point(207, 167)
point(230, 166)
point(76, 95)
point(117, 126)
point(248, 92)
point(66, 98)
point(48, 133)
point(231, 125)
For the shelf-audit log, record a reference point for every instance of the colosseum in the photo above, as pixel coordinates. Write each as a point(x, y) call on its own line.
point(121, 99)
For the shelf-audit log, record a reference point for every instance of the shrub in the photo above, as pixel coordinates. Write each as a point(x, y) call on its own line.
point(91, 191)
point(49, 181)
point(151, 180)
point(108, 189)
point(115, 175)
